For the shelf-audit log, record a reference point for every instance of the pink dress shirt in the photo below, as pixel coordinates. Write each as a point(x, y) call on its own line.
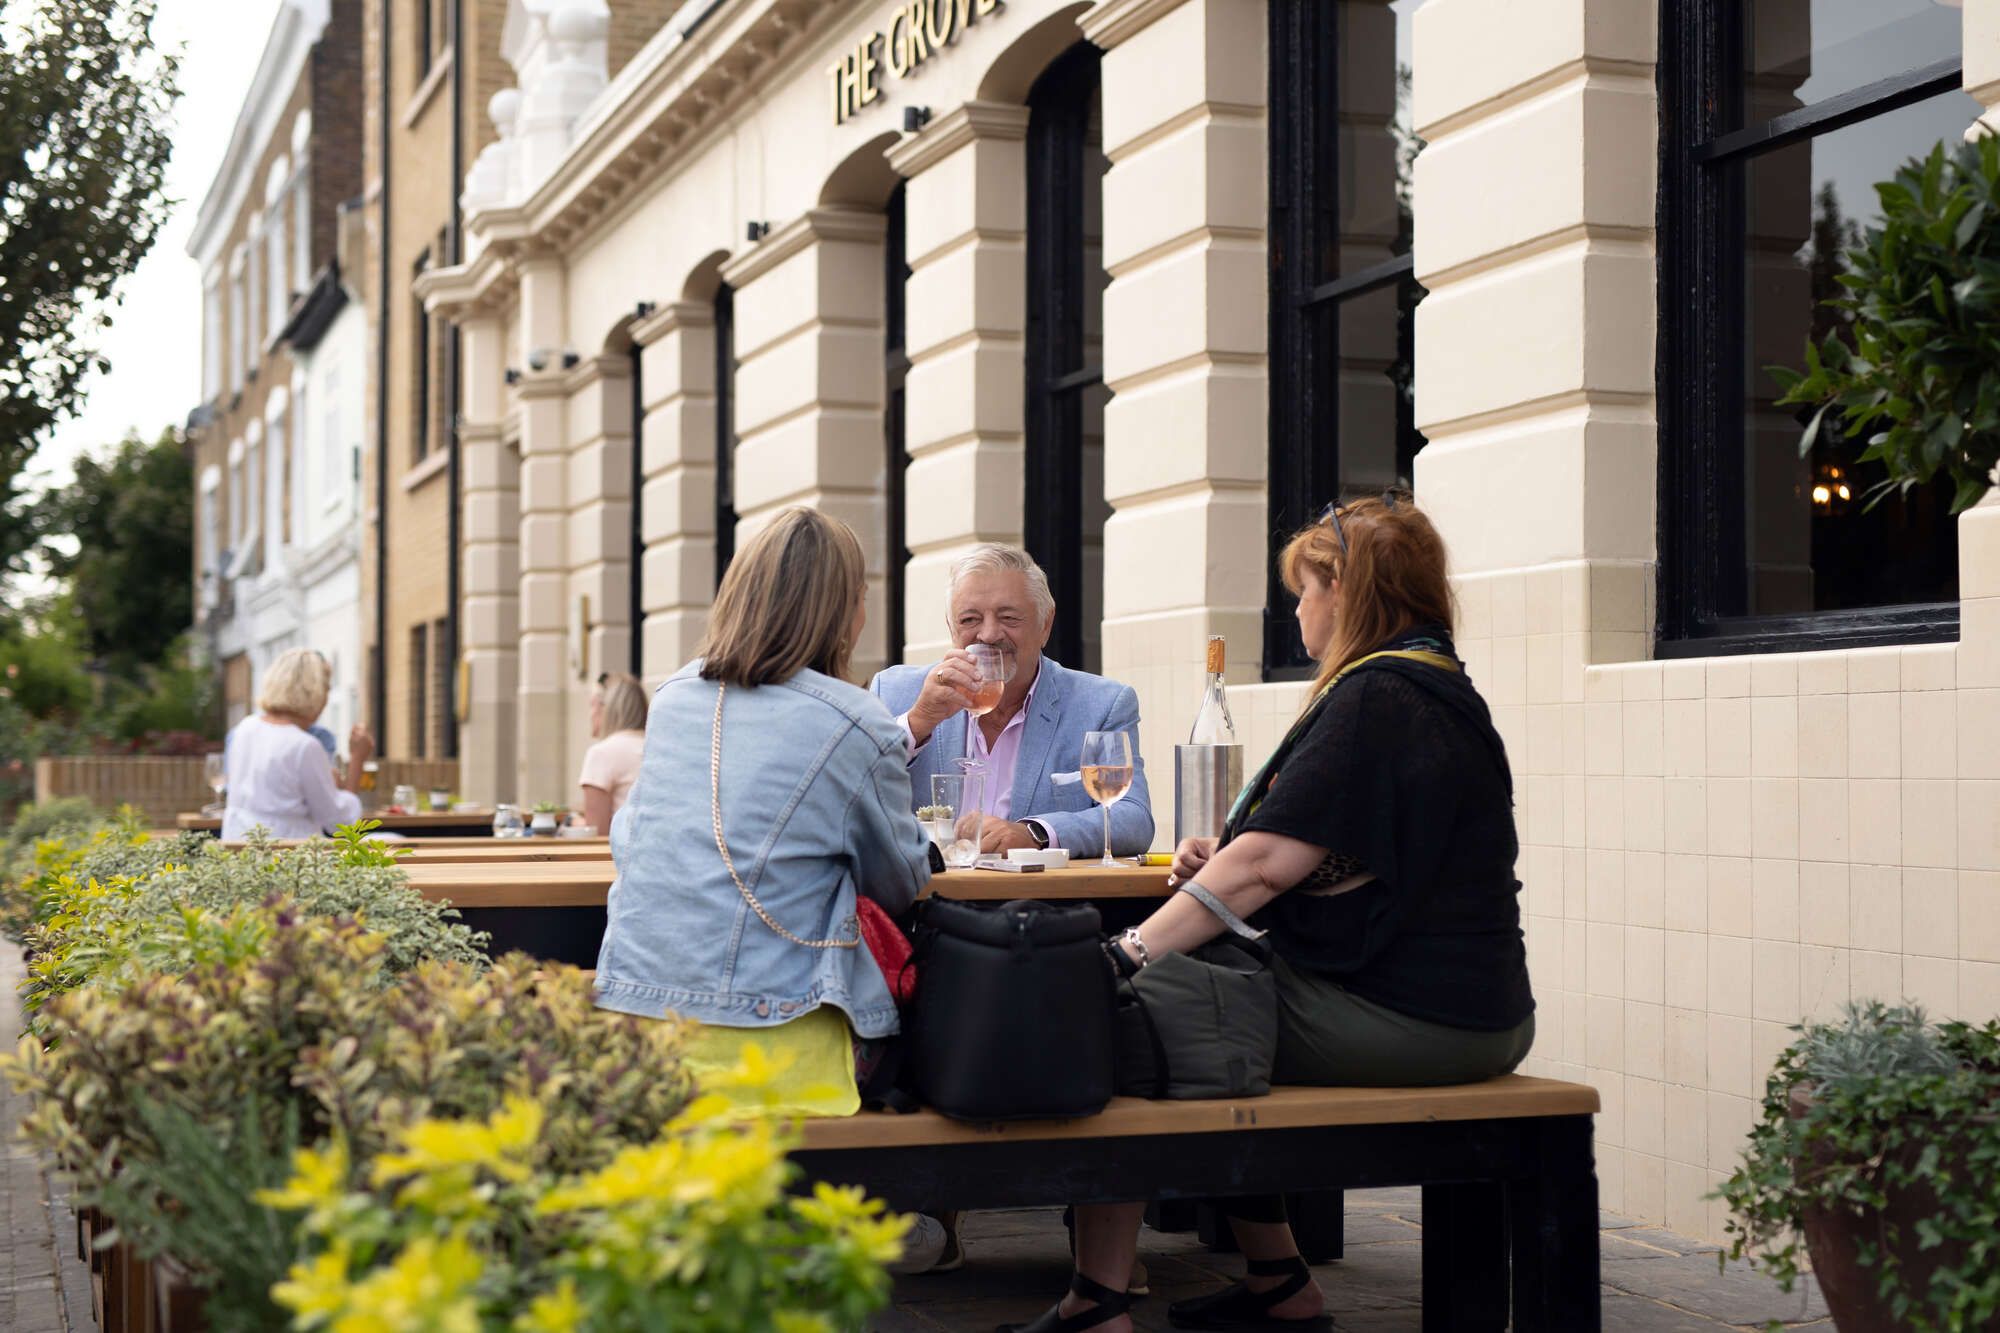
point(999, 759)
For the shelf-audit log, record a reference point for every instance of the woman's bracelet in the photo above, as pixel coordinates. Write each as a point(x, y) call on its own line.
point(1135, 946)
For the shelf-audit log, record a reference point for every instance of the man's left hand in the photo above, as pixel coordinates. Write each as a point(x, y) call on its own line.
point(1001, 834)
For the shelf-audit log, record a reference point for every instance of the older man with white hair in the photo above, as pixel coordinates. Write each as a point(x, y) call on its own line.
point(999, 596)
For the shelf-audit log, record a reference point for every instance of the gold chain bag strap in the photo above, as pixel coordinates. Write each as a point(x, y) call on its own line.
point(721, 845)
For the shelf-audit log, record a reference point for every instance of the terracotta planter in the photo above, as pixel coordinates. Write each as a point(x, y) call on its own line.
point(178, 1305)
point(1833, 1238)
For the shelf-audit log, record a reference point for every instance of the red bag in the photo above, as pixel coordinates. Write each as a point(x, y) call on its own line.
point(889, 946)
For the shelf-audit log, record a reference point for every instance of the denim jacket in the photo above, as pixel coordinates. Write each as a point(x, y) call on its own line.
point(815, 808)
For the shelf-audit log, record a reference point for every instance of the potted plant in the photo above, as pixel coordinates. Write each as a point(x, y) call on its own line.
point(548, 818)
point(1879, 1147)
point(1916, 376)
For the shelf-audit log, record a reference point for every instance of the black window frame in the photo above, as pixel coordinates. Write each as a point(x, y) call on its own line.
point(1056, 370)
point(418, 694)
point(1701, 314)
point(895, 441)
point(725, 429)
point(1303, 463)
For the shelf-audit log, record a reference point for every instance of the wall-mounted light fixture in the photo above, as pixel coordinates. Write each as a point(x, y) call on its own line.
point(570, 359)
point(757, 231)
point(513, 375)
point(915, 118)
point(643, 309)
point(538, 360)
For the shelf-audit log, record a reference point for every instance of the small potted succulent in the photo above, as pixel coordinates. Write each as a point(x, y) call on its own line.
point(937, 821)
point(441, 798)
point(548, 818)
point(1878, 1149)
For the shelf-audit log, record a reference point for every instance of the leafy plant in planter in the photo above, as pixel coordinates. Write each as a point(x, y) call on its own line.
point(1920, 382)
point(1880, 1148)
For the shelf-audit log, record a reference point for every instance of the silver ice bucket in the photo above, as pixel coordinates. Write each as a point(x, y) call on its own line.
point(1206, 780)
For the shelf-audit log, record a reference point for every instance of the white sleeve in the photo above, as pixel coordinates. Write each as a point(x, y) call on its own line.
point(326, 803)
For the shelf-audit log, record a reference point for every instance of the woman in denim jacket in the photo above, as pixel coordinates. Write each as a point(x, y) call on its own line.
point(771, 793)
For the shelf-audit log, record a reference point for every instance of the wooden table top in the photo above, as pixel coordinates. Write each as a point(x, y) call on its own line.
point(584, 883)
point(419, 822)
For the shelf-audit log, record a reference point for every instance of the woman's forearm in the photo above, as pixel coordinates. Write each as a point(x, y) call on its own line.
point(1243, 876)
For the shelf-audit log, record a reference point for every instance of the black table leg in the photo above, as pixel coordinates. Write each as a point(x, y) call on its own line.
point(1465, 1257)
point(1553, 1226)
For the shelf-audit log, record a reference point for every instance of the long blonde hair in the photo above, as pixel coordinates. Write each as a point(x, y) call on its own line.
point(1393, 571)
point(624, 701)
point(787, 602)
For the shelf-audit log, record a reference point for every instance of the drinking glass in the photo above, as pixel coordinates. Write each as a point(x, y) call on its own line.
point(216, 775)
point(1107, 775)
point(404, 798)
point(961, 795)
point(995, 667)
point(507, 822)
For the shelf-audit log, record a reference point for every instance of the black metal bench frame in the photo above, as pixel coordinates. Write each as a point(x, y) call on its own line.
point(1510, 1204)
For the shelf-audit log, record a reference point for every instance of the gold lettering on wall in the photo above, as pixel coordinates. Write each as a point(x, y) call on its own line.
point(919, 30)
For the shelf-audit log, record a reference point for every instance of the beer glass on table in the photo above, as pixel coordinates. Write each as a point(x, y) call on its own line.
point(1107, 775)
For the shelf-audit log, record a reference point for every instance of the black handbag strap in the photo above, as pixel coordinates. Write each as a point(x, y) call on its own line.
point(1162, 1074)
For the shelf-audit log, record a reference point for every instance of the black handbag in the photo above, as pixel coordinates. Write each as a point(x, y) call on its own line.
point(1201, 1024)
point(1012, 1019)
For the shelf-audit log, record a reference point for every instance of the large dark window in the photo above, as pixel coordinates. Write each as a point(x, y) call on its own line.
point(418, 692)
point(635, 604)
point(725, 430)
point(1777, 120)
point(895, 446)
point(1064, 513)
point(1342, 296)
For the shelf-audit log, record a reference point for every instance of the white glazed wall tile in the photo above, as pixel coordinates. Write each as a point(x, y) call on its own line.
point(1730, 908)
point(1930, 913)
point(1875, 820)
point(1687, 1046)
point(1686, 892)
point(1728, 678)
point(1979, 991)
point(1774, 736)
point(1979, 825)
point(1929, 666)
point(1822, 673)
point(1729, 816)
point(1643, 739)
point(1876, 976)
point(1874, 736)
point(1774, 900)
point(1930, 739)
point(1645, 889)
point(1645, 965)
point(1874, 670)
point(1823, 982)
point(1979, 915)
point(1729, 737)
point(1774, 674)
point(1645, 1095)
point(1822, 734)
point(1729, 978)
point(1729, 1069)
point(1875, 907)
point(1930, 823)
point(1685, 729)
point(1823, 816)
point(1978, 729)
point(1932, 984)
point(1774, 817)
point(1775, 980)
point(1824, 913)
point(1645, 813)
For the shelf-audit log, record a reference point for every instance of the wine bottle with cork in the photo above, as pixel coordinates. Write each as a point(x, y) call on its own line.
point(1209, 768)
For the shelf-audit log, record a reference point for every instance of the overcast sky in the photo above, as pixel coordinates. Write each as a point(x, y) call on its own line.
point(154, 344)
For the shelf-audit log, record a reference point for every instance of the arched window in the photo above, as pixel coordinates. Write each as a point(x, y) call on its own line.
point(725, 430)
point(1342, 297)
point(1063, 520)
point(896, 454)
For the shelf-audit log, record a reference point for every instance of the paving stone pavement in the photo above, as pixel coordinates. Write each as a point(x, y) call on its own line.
point(31, 1262)
point(1654, 1281)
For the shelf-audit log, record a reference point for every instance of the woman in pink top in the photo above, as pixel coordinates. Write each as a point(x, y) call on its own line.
point(618, 719)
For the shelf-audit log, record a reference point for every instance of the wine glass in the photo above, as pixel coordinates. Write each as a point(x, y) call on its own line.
point(1107, 775)
point(995, 667)
point(216, 775)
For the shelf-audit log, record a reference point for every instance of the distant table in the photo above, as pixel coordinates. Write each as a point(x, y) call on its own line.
point(554, 909)
point(423, 824)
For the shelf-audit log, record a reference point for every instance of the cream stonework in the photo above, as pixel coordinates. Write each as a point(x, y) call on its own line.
point(1711, 848)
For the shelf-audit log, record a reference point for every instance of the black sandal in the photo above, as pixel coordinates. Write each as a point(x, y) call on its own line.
point(1110, 1304)
point(1237, 1306)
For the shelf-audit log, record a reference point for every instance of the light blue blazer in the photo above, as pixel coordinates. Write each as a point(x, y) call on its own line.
point(1066, 705)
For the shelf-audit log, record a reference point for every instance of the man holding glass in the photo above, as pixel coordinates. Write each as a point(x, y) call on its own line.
point(995, 699)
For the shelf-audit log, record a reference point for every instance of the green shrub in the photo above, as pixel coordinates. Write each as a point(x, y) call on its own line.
point(1896, 1102)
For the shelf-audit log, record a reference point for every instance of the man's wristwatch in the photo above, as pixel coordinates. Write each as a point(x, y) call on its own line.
point(1039, 832)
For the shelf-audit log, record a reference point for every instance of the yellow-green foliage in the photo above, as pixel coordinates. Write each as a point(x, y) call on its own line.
point(471, 1225)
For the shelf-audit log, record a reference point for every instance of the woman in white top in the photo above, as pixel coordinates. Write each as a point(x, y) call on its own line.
point(278, 774)
point(611, 766)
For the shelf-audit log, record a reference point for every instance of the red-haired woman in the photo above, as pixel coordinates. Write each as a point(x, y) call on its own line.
point(1376, 847)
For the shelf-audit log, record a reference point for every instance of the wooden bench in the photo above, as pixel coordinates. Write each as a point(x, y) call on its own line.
point(1507, 1170)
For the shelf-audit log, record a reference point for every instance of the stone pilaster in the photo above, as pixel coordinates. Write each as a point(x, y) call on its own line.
point(599, 547)
point(809, 384)
point(544, 704)
point(490, 624)
point(677, 499)
point(966, 205)
point(1184, 338)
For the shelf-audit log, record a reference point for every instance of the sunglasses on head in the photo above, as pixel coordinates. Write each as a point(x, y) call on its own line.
point(1332, 514)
